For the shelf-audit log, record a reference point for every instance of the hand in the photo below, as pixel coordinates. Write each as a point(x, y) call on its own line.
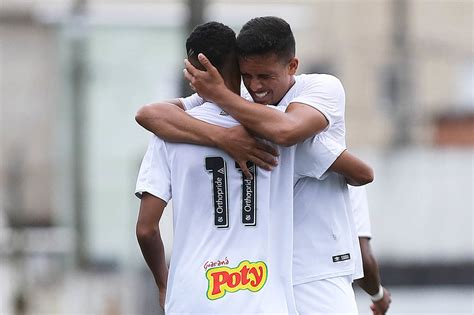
point(162, 297)
point(243, 147)
point(208, 84)
point(381, 307)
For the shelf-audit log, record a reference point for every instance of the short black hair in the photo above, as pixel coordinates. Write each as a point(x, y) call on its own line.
point(266, 35)
point(215, 40)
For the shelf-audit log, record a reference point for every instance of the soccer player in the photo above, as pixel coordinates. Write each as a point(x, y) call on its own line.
point(370, 283)
point(233, 236)
point(314, 105)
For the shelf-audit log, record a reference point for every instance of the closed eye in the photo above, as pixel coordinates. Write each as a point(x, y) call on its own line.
point(264, 76)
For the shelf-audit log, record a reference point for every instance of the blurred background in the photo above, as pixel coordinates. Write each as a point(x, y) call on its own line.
point(74, 72)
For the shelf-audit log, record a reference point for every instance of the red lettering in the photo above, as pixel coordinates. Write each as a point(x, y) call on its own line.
point(233, 280)
point(219, 278)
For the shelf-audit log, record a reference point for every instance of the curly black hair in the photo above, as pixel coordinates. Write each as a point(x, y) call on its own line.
point(215, 40)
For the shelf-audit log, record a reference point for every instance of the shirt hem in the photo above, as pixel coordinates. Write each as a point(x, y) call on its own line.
point(163, 196)
point(323, 276)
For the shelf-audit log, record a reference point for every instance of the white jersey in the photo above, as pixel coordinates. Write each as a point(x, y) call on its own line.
point(314, 257)
point(233, 237)
point(325, 238)
point(358, 196)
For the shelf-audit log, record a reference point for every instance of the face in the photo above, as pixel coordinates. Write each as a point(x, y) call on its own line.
point(267, 78)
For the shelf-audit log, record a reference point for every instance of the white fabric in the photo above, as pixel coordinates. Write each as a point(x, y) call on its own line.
point(360, 207)
point(333, 296)
point(326, 94)
point(202, 253)
point(191, 101)
point(321, 91)
point(324, 225)
point(314, 223)
point(195, 100)
point(323, 230)
point(328, 151)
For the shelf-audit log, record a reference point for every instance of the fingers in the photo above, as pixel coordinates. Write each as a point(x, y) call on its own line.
point(267, 153)
point(261, 163)
point(188, 76)
point(193, 71)
point(206, 63)
point(245, 169)
point(376, 310)
point(258, 162)
point(268, 148)
point(190, 68)
point(266, 157)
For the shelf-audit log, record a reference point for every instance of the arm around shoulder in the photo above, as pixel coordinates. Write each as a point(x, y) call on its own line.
point(149, 116)
point(170, 122)
point(301, 122)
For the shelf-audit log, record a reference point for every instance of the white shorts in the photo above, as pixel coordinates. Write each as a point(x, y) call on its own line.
point(328, 296)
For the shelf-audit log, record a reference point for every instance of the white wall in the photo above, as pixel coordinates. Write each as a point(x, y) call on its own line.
point(421, 204)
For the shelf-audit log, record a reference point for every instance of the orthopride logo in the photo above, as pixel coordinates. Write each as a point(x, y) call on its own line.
point(246, 276)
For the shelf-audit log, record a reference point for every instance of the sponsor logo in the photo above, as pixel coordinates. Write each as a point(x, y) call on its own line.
point(220, 196)
point(212, 264)
point(247, 275)
point(342, 257)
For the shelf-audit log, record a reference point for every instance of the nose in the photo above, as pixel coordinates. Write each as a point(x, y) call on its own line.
point(255, 85)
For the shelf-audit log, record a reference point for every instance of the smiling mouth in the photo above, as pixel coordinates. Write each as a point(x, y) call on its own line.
point(261, 95)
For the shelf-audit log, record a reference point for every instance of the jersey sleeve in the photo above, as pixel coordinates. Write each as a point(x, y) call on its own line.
point(191, 101)
point(326, 94)
point(360, 208)
point(154, 176)
point(315, 155)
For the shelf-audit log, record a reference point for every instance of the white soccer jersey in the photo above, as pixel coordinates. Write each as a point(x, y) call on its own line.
point(233, 237)
point(191, 101)
point(325, 239)
point(326, 94)
point(358, 196)
point(195, 100)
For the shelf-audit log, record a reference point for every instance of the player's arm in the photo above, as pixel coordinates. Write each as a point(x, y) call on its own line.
point(356, 172)
point(316, 156)
point(149, 238)
point(371, 281)
point(169, 121)
point(298, 123)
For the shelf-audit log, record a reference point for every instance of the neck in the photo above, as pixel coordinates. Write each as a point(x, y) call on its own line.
point(231, 74)
point(232, 80)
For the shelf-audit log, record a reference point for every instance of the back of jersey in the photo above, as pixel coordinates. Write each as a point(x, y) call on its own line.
point(232, 245)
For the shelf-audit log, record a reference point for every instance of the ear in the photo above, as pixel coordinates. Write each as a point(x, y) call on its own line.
point(293, 65)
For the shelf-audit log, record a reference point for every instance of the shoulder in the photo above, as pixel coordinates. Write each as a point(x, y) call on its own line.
point(204, 108)
point(191, 101)
point(324, 81)
point(157, 144)
point(213, 114)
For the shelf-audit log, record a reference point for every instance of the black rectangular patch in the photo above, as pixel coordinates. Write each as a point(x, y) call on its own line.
point(340, 258)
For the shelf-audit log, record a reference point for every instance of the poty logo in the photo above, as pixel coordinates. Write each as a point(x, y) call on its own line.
point(246, 276)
